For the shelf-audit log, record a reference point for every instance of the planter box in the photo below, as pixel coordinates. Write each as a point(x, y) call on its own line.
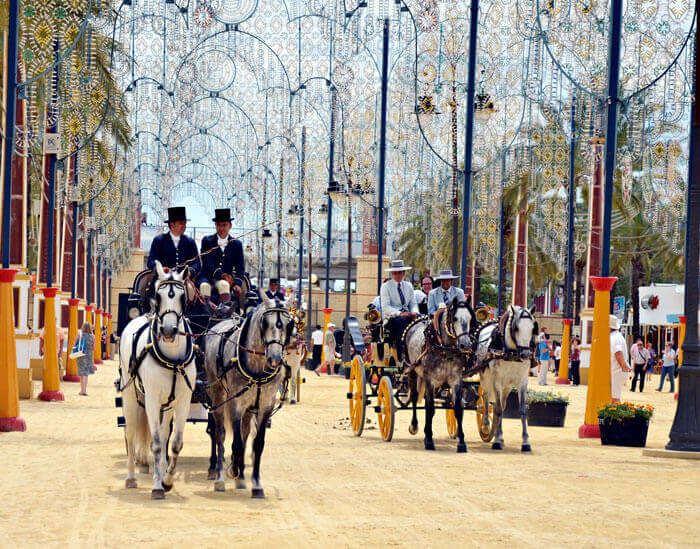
point(546, 414)
point(625, 432)
point(37, 366)
point(25, 384)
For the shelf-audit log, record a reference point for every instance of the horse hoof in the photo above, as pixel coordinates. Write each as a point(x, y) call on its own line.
point(229, 473)
point(413, 429)
point(167, 487)
point(258, 493)
point(526, 448)
point(130, 483)
point(211, 474)
point(143, 468)
point(157, 494)
point(219, 486)
point(240, 484)
point(461, 448)
point(429, 445)
point(497, 446)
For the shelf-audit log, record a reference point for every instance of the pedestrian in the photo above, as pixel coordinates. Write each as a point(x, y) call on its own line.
point(545, 352)
point(668, 366)
point(316, 347)
point(640, 358)
point(651, 362)
point(557, 356)
point(86, 342)
point(619, 359)
point(329, 348)
point(575, 361)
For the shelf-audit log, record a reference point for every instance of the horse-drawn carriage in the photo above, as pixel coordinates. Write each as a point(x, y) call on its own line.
point(383, 383)
point(241, 364)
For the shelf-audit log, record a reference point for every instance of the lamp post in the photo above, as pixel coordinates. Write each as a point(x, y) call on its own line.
point(685, 431)
point(382, 150)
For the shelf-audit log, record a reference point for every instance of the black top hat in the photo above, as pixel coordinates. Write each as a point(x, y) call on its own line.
point(176, 214)
point(274, 281)
point(222, 215)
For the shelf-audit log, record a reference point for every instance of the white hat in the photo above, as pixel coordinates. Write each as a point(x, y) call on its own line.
point(614, 322)
point(445, 274)
point(397, 265)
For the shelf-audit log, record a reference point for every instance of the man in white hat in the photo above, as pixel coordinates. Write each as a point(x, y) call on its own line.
point(619, 360)
point(399, 305)
point(445, 292)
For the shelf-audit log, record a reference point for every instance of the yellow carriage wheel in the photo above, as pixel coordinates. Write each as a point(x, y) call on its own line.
point(385, 408)
point(451, 423)
point(485, 432)
point(357, 397)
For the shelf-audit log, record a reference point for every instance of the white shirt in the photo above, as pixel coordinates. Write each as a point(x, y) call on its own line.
point(176, 239)
point(317, 337)
point(557, 353)
point(222, 242)
point(420, 296)
point(391, 299)
point(617, 343)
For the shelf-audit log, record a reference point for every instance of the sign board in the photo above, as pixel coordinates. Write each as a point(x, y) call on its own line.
point(619, 306)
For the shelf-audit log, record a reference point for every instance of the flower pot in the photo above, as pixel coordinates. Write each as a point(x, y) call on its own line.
point(624, 432)
point(546, 414)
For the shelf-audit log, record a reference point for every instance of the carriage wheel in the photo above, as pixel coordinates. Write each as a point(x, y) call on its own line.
point(357, 397)
point(451, 423)
point(485, 432)
point(385, 408)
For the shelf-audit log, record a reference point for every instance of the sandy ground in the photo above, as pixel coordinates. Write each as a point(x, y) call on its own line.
point(62, 483)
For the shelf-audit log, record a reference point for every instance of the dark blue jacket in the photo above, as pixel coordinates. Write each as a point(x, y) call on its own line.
point(216, 263)
point(163, 249)
point(279, 294)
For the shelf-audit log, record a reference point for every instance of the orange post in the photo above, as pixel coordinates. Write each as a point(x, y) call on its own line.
point(51, 384)
point(563, 378)
point(97, 352)
point(71, 363)
point(107, 321)
point(599, 389)
point(9, 395)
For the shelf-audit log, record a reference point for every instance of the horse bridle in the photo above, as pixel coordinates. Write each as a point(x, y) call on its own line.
point(511, 323)
point(171, 294)
point(448, 325)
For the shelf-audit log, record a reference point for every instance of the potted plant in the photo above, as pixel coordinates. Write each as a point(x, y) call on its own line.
point(546, 409)
point(624, 423)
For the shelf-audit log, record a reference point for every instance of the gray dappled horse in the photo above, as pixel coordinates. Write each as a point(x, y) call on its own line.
point(244, 366)
point(436, 352)
point(507, 369)
point(157, 373)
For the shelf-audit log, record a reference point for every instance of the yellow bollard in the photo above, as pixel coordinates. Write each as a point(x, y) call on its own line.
point(599, 389)
point(326, 319)
point(9, 395)
point(71, 363)
point(563, 378)
point(51, 384)
point(97, 353)
point(107, 321)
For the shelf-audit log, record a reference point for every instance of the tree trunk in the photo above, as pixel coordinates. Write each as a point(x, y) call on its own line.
point(637, 275)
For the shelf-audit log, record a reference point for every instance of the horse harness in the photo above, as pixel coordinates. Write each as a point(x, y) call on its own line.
point(433, 337)
point(176, 366)
point(240, 362)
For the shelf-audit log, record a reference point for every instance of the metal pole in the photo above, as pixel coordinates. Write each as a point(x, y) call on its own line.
point(88, 297)
point(51, 128)
point(685, 431)
point(74, 252)
point(12, 36)
point(279, 220)
point(611, 131)
point(382, 151)
point(502, 244)
point(469, 136)
point(329, 220)
point(455, 169)
point(302, 169)
point(570, 237)
point(346, 334)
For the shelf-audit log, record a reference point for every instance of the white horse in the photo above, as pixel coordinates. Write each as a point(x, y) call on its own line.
point(507, 366)
point(157, 376)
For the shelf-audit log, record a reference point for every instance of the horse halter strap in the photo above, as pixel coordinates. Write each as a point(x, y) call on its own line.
point(155, 350)
point(509, 328)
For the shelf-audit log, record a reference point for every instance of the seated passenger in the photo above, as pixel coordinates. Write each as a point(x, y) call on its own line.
point(445, 292)
point(222, 260)
point(174, 249)
point(399, 306)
